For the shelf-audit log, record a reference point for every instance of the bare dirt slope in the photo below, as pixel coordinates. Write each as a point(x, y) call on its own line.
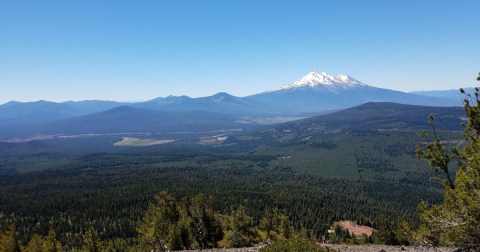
point(352, 227)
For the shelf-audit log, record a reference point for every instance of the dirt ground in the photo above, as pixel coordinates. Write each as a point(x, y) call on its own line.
point(226, 250)
point(347, 248)
point(353, 228)
point(384, 248)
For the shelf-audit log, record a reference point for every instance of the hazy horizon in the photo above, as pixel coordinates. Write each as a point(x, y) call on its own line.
point(154, 97)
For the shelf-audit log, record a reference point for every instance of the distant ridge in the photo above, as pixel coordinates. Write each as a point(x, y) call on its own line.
point(451, 93)
point(369, 117)
point(126, 119)
point(313, 94)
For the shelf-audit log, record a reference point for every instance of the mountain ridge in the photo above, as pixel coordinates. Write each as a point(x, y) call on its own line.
point(313, 94)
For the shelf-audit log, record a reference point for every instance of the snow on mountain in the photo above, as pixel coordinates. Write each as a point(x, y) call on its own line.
point(315, 78)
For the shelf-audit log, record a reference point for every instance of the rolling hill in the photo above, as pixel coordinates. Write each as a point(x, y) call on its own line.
point(373, 140)
point(126, 119)
point(369, 117)
point(15, 113)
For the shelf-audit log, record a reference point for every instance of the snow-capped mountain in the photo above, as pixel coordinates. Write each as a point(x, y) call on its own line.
point(315, 93)
point(318, 91)
point(315, 79)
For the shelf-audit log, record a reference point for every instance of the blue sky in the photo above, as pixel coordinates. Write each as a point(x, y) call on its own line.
point(139, 50)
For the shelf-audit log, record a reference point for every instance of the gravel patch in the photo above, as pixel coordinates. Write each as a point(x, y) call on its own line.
point(253, 249)
point(346, 248)
point(384, 248)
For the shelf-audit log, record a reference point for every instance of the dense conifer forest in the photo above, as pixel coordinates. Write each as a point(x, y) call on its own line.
point(314, 174)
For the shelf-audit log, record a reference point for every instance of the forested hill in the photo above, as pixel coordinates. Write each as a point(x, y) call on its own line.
point(388, 115)
point(369, 117)
point(129, 119)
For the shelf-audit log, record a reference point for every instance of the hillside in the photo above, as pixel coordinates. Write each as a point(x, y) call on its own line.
point(127, 120)
point(369, 117)
point(355, 164)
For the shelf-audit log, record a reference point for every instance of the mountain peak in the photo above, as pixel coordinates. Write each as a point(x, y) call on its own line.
point(316, 78)
point(222, 94)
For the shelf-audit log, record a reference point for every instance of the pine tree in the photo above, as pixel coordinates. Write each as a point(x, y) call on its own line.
point(206, 228)
point(9, 240)
point(456, 221)
point(275, 225)
point(35, 244)
point(184, 226)
point(240, 230)
point(91, 241)
point(155, 226)
point(51, 243)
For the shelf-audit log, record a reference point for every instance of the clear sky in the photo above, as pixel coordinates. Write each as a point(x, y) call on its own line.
point(139, 50)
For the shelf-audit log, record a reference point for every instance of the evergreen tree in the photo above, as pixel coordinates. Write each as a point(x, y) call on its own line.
point(386, 232)
point(184, 226)
point(51, 243)
point(456, 221)
point(35, 244)
point(275, 225)
point(9, 240)
point(155, 226)
point(240, 230)
point(91, 241)
point(206, 228)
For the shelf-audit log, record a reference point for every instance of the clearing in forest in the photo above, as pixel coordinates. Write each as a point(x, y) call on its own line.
point(131, 141)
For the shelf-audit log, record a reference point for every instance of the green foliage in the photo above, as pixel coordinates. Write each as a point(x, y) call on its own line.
point(35, 244)
point(115, 194)
point(240, 230)
point(336, 170)
point(386, 233)
point(51, 244)
point(179, 225)
point(275, 226)
point(456, 221)
point(158, 224)
point(9, 241)
point(91, 241)
point(436, 154)
point(120, 245)
point(295, 245)
point(404, 231)
point(206, 227)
